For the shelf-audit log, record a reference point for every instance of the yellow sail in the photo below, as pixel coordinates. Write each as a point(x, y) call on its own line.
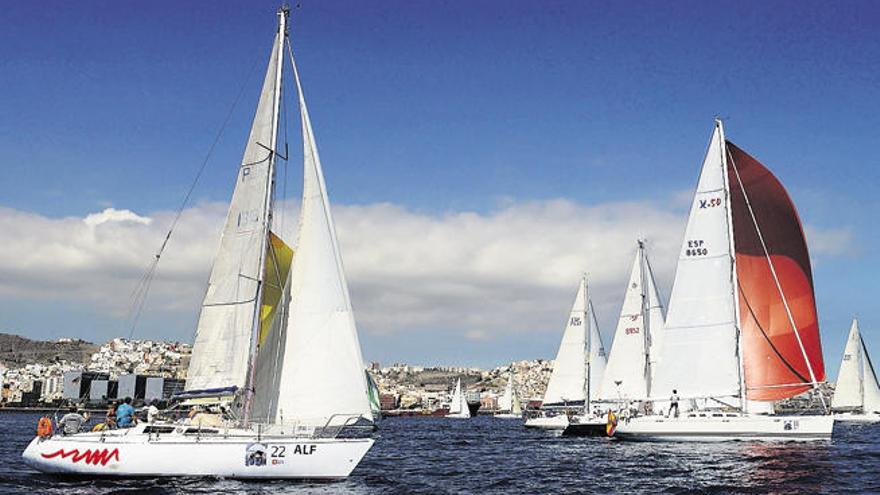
point(278, 258)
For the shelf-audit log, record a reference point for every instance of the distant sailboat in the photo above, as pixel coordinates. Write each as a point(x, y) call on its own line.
point(276, 357)
point(741, 327)
point(857, 394)
point(509, 406)
point(578, 368)
point(458, 407)
point(635, 350)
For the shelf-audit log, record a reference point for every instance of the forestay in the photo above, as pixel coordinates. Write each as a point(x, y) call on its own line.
point(700, 355)
point(225, 329)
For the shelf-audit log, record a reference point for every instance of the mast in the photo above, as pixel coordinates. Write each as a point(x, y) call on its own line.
point(733, 278)
point(588, 343)
point(646, 309)
point(283, 14)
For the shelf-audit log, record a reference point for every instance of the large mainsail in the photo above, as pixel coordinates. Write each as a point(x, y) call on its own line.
point(567, 383)
point(637, 338)
point(229, 313)
point(322, 374)
point(700, 343)
point(857, 387)
point(782, 352)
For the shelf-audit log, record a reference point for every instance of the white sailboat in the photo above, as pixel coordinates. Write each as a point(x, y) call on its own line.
point(509, 406)
point(458, 407)
point(288, 369)
point(578, 368)
point(857, 394)
point(741, 328)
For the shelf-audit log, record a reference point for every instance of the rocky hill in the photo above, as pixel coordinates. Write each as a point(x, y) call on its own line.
point(17, 351)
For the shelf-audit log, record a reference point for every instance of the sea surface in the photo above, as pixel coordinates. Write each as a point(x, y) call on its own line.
point(484, 455)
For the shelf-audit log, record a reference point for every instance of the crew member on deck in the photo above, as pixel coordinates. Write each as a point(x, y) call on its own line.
point(73, 421)
point(125, 414)
point(673, 403)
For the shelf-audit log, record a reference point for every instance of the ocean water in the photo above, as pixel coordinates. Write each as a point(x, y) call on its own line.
point(486, 455)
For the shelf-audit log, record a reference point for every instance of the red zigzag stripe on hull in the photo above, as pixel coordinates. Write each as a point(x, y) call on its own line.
point(102, 456)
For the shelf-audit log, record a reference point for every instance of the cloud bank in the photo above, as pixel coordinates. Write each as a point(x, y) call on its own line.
point(466, 275)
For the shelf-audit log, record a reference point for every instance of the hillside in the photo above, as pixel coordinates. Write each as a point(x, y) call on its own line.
point(17, 351)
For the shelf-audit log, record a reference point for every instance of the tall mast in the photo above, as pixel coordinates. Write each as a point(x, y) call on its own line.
point(283, 14)
point(646, 311)
point(588, 345)
point(734, 279)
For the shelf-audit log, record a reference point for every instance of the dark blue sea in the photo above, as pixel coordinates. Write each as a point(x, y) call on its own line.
point(485, 455)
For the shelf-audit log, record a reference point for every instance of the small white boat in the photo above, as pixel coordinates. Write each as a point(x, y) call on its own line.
point(857, 395)
point(458, 406)
point(288, 370)
point(733, 339)
point(578, 368)
point(509, 406)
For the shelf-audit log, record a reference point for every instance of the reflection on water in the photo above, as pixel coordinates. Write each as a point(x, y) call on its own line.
point(485, 455)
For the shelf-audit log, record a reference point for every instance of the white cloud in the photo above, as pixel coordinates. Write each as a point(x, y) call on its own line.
point(114, 215)
point(458, 275)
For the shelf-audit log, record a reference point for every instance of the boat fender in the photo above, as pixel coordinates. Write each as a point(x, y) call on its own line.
point(100, 427)
point(44, 427)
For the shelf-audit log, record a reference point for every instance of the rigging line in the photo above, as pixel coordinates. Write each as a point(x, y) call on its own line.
point(146, 282)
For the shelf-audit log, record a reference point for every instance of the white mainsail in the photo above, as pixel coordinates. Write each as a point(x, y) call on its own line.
point(700, 341)
point(568, 379)
point(857, 386)
point(635, 350)
point(225, 330)
point(322, 374)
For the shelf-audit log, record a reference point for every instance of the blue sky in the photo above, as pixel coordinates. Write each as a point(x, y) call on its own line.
point(443, 108)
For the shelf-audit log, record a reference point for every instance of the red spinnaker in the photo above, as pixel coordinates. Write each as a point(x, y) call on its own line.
point(774, 364)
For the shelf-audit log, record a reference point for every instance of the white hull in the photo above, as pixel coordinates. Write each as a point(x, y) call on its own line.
point(857, 418)
point(131, 453)
point(717, 427)
point(548, 423)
